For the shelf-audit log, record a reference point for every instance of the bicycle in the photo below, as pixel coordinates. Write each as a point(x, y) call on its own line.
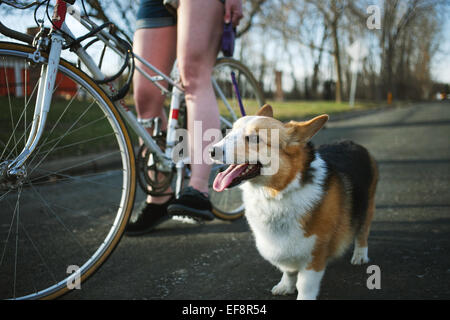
point(68, 165)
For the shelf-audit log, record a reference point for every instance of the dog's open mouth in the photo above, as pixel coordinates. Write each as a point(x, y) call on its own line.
point(235, 174)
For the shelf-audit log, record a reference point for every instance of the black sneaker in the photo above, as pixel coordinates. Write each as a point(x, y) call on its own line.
point(149, 216)
point(191, 203)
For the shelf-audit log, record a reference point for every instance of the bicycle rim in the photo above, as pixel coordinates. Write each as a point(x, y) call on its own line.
point(228, 204)
point(61, 221)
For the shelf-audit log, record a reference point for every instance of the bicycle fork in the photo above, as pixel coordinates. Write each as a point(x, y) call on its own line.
point(15, 168)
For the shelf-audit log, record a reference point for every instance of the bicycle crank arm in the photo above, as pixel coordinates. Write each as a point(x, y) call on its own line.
point(180, 175)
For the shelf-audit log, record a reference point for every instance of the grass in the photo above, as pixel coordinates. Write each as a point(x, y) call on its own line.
point(98, 126)
point(83, 125)
point(289, 110)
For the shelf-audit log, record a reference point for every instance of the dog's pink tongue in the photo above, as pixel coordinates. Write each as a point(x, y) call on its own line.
point(224, 179)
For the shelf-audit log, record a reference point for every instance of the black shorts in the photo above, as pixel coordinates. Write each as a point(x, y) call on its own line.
point(153, 14)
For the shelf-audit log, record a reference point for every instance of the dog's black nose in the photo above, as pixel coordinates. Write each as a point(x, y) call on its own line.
point(212, 152)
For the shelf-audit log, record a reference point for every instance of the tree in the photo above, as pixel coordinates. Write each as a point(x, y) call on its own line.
point(332, 15)
point(406, 41)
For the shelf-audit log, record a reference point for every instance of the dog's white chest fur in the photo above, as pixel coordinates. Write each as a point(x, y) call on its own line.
point(275, 221)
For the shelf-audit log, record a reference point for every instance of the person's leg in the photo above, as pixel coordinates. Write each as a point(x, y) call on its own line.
point(155, 41)
point(200, 25)
point(158, 47)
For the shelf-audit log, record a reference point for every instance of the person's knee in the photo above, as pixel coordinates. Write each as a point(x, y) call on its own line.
point(148, 101)
point(141, 96)
point(194, 71)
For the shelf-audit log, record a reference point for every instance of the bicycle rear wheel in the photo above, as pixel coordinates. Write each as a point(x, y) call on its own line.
point(228, 204)
point(60, 221)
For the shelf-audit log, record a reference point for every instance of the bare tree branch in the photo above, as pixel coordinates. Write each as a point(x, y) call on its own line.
point(255, 9)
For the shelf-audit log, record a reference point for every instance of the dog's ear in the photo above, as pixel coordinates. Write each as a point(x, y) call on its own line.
point(302, 132)
point(265, 111)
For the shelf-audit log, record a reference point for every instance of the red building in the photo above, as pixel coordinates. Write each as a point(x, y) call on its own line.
point(15, 76)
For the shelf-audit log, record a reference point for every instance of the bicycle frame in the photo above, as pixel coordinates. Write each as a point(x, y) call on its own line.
point(177, 91)
point(48, 77)
point(47, 81)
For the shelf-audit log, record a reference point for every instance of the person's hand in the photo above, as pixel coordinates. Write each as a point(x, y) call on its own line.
point(233, 11)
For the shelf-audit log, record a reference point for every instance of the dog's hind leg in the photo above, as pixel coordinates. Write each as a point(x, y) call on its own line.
point(360, 253)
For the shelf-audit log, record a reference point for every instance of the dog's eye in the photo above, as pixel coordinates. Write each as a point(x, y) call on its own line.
point(252, 138)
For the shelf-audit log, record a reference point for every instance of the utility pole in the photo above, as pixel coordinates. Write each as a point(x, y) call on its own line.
point(357, 53)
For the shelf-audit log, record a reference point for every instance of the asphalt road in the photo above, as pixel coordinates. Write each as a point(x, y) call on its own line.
point(409, 241)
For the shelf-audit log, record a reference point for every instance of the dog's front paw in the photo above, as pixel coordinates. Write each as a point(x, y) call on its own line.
point(359, 256)
point(286, 285)
point(282, 289)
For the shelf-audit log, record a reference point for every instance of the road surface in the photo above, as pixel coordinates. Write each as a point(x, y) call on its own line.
point(409, 241)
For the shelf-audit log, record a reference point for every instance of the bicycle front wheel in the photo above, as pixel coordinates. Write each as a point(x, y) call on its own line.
point(63, 218)
point(228, 204)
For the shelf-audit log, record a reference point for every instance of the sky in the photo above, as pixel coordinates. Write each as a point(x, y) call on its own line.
point(440, 65)
point(77, 29)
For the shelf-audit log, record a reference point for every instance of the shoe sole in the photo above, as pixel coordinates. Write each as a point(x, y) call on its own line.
point(180, 210)
point(147, 230)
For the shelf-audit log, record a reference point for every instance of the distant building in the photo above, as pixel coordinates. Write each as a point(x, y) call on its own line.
point(12, 80)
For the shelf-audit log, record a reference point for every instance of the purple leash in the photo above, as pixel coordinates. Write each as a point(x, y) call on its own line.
point(238, 95)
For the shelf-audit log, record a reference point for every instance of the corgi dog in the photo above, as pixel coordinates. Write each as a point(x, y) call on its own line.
point(312, 208)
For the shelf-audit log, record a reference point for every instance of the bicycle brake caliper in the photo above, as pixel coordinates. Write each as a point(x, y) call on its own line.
point(40, 41)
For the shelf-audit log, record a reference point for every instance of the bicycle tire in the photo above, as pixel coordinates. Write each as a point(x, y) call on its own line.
point(119, 177)
point(250, 92)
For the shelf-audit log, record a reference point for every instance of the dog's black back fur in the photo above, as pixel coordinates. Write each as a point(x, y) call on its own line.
point(352, 161)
